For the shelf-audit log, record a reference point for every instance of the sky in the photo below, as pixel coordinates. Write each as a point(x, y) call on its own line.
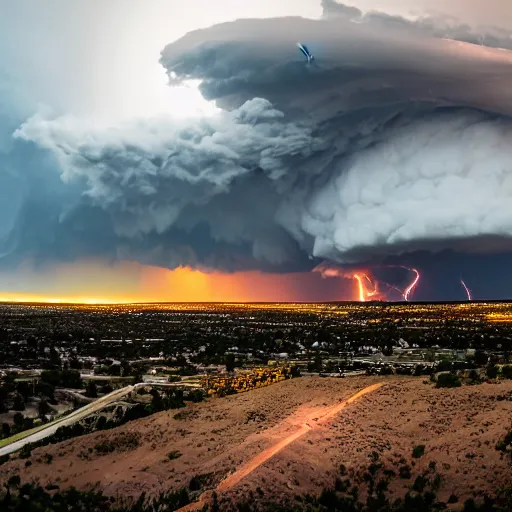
point(390, 153)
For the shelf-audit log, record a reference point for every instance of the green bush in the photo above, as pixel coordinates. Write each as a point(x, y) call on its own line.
point(26, 451)
point(195, 395)
point(448, 380)
point(175, 454)
point(418, 451)
point(419, 484)
point(491, 371)
point(405, 472)
point(505, 444)
point(453, 499)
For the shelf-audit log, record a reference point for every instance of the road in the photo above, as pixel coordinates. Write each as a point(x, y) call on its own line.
point(69, 420)
point(78, 415)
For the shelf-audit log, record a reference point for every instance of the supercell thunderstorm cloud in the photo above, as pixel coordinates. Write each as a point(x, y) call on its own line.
point(391, 149)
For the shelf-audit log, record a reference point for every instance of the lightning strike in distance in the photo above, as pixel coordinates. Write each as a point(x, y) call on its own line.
point(367, 284)
point(412, 286)
point(468, 292)
point(360, 287)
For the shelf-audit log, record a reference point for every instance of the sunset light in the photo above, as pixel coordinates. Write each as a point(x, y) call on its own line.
point(97, 282)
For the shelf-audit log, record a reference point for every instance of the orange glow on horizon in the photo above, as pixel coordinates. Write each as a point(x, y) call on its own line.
point(96, 282)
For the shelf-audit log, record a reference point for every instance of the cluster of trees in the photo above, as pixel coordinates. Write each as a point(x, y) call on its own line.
point(258, 377)
point(20, 393)
point(62, 378)
point(14, 395)
point(20, 423)
point(122, 369)
point(452, 378)
point(448, 380)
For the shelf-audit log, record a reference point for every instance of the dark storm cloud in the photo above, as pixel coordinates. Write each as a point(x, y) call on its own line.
point(158, 181)
point(395, 140)
point(358, 65)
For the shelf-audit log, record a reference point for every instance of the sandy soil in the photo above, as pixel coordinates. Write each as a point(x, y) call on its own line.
point(459, 427)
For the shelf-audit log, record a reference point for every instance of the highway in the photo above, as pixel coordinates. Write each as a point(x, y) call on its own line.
point(75, 416)
point(78, 415)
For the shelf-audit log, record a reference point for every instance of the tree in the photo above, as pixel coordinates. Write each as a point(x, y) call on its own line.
point(175, 397)
point(55, 358)
point(230, 362)
point(14, 481)
point(71, 379)
point(32, 342)
point(318, 363)
point(3, 400)
point(43, 408)
point(18, 402)
point(448, 380)
point(295, 371)
point(107, 388)
point(74, 363)
point(491, 371)
point(52, 377)
point(195, 395)
point(47, 390)
point(114, 370)
point(507, 372)
point(91, 390)
point(25, 389)
point(156, 402)
point(18, 420)
point(481, 357)
point(6, 430)
point(125, 368)
point(27, 423)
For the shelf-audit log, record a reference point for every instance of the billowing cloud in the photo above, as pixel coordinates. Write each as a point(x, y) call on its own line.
point(152, 176)
point(431, 23)
point(478, 14)
point(395, 139)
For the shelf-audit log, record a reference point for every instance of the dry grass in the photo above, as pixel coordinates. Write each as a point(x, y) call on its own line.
point(458, 427)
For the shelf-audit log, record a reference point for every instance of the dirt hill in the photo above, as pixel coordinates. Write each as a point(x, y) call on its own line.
point(202, 444)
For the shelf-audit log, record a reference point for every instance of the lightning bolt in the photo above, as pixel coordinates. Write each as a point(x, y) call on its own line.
point(468, 292)
point(360, 287)
point(410, 288)
point(367, 284)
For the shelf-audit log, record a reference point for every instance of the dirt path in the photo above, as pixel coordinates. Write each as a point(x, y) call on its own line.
point(233, 479)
